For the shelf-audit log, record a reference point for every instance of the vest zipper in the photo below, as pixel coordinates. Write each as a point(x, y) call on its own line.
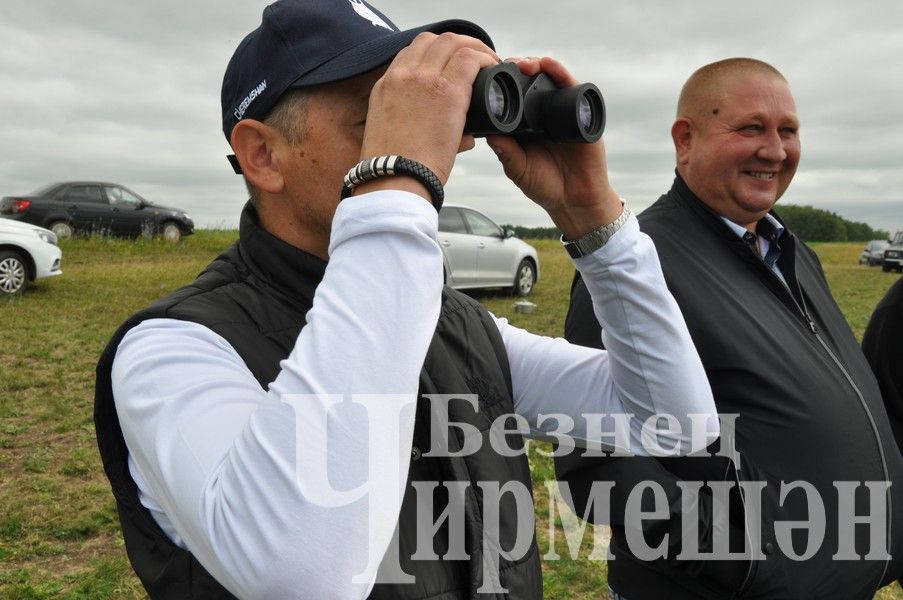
point(803, 311)
point(868, 413)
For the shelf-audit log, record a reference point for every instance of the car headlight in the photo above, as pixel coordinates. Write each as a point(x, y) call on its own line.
point(47, 236)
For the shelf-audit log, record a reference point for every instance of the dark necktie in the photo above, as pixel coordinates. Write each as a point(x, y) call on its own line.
point(767, 230)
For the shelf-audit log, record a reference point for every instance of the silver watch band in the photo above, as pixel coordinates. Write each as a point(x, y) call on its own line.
point(595, 239)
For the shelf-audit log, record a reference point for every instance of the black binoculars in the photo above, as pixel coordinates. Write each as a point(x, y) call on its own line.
point(505, 101)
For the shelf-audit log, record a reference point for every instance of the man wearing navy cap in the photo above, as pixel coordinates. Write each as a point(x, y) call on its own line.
point(270, 430)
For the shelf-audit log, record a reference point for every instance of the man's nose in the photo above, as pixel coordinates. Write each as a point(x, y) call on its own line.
point(772, 147)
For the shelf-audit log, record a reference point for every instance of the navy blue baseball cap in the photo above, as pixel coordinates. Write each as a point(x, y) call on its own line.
point(307, 42)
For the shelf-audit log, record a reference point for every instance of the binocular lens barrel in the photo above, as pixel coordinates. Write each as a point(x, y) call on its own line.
point(505, 101)
point(574, 114)
point(495, 106)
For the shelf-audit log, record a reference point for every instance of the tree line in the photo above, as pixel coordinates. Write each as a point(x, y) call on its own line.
point(808, 223)
point(816, 225)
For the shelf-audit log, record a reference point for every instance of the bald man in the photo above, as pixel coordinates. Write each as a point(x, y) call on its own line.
point(811, 443)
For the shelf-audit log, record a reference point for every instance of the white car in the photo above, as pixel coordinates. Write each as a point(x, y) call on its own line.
point(873, 254)
point(27, 253)
point(478, 253)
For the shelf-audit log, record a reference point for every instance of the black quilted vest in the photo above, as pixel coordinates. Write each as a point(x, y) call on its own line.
point(256, 296)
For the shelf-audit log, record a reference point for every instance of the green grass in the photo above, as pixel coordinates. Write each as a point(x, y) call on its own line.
point(59, 534)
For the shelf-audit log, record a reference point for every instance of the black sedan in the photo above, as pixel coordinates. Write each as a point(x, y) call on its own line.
point(96, 207)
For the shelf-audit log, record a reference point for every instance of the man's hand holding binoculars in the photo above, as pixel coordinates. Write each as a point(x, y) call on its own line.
point(418, 107)
point(568, 180)
point(442, 90)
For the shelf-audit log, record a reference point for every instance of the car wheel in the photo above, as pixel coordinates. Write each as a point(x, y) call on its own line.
point(13, 273)
point(524, 278)
point(62, 229)
point(171, 232)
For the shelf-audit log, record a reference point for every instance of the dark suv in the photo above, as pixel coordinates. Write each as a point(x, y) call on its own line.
point(893, 254)
point(96, 207)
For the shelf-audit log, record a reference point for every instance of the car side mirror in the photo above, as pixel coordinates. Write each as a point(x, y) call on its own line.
point(507, 233)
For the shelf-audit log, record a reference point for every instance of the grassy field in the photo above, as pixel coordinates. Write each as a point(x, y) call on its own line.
point(59, 535)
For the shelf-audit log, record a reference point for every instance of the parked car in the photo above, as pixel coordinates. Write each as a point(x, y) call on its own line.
point(96, 207)
point(893, 254)
point(477, 253)
point(27, 253)
point(873, 254)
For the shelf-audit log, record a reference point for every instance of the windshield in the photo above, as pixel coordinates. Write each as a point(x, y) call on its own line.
point(898, 238)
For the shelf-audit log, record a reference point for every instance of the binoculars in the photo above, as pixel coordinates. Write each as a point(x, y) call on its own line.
point(507, 102)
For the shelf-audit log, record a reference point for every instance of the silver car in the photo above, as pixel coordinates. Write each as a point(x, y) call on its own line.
point(873, 254)
point(480, 254)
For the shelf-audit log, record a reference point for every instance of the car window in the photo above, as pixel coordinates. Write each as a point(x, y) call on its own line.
point(45, 190)
point(450, 220)
point(85, 193)
point(121, 196)
point(480, 225)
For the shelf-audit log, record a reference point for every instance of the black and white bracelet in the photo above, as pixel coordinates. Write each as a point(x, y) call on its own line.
point(389, 165)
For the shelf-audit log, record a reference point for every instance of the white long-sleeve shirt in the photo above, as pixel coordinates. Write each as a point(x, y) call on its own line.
point(220, 461)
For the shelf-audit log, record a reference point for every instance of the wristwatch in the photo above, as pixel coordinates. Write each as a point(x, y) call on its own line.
point(595, 239)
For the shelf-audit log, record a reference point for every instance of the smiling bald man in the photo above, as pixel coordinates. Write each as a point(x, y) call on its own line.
point(810, 429)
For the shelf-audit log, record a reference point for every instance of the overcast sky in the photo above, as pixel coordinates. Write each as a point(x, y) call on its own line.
point(129, 92)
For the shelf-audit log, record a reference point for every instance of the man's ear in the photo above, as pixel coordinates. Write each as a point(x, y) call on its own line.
point(682, 133)
point(255, 145)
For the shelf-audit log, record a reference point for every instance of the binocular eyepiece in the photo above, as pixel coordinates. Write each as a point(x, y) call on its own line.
point(505, 101)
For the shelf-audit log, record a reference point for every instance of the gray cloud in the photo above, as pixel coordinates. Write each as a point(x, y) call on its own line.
point(130, 92)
